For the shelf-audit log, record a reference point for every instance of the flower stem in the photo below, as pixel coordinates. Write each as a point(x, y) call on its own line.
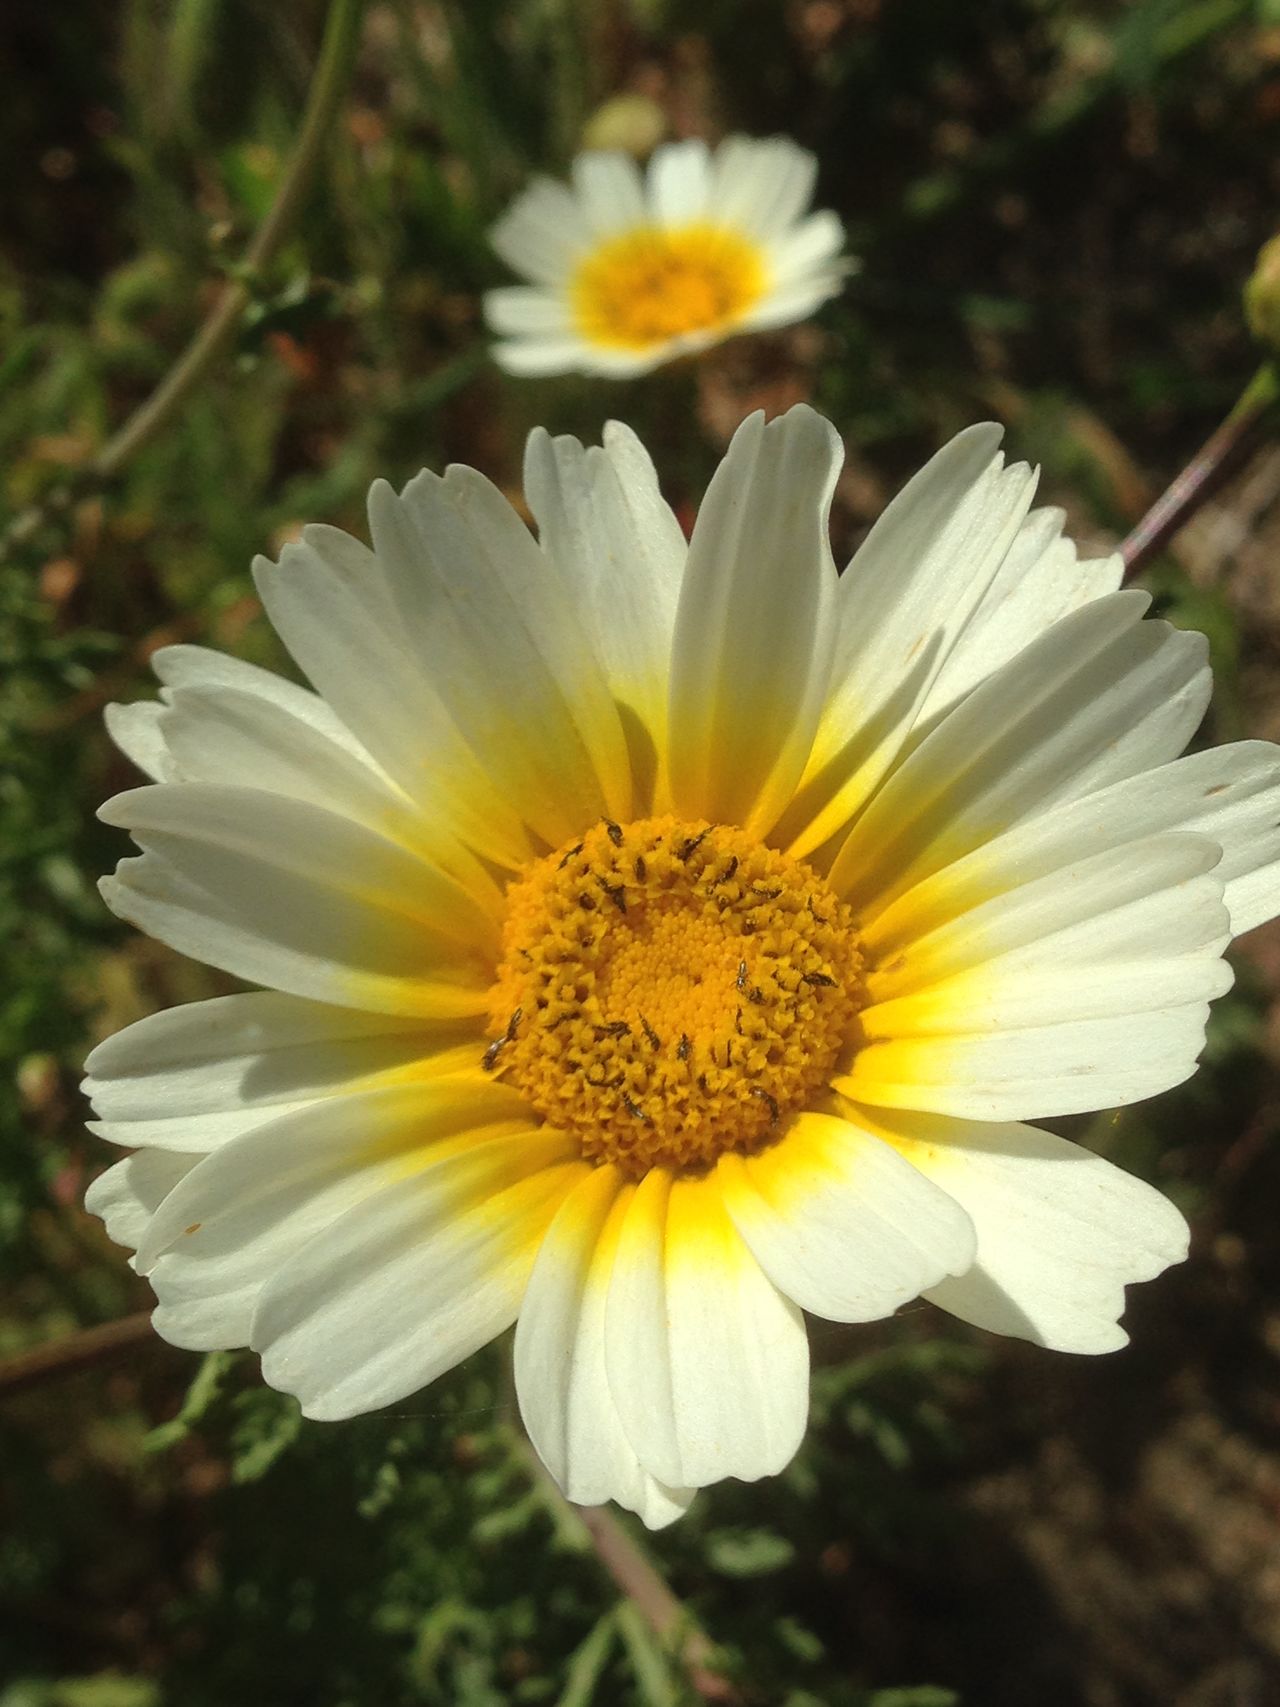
point(648, 1592)
point(337, 53)
point(1220, 454)
point(635, 1575)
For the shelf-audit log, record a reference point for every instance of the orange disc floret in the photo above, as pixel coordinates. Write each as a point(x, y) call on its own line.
point(669, 991)
point(646, 286)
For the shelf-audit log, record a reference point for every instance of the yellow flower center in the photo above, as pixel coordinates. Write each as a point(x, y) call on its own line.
point(649, 285)
point(669, 991)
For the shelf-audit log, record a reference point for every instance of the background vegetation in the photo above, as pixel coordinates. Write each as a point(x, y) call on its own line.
point(1055, 202)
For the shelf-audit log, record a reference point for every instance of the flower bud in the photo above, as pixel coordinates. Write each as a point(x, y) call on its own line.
point(631, 123)
point(1262, 296)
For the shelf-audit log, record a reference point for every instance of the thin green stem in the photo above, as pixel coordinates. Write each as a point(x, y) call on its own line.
point(1220, 454)
point(337, 52)
point(333, 68)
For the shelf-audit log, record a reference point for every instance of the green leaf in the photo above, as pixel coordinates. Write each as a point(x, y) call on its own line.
point(508, 1520)
point(920, 1695)
point(105, 1690)
point(655, 1679)
point(586, 1666)
point(799, 1640)
point(266, 1424)
point(386, 1485)
point(748, 1552)
point(202, 1394)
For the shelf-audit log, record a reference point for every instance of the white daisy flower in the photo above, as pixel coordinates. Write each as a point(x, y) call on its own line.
point(628, 272)
point(662, 939)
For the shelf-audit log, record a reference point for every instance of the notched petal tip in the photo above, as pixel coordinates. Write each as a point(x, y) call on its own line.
point(322, 1407)
point(989, 432)
point(383, 499)
point(540, 443)
point(115, 891)
point(750, 427)
point(661, 1507)
point(119, 811)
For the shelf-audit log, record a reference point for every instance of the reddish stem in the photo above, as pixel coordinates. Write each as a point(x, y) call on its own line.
point(1217, 458)
point(73, 1352)
point(656, 1604)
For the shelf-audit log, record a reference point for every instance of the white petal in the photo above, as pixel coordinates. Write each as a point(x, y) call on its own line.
point(840, 1223)
point(1039, 581)
point(609, 192)
point(492, 627)
point(541, 232)
point(902, 603)
point(708, 1364)
point(282, 894)
point(244, 1189)
point(752, 640)
point(244, 1212)
point(219, 1322)
point(193, 1076)
point(190, 1134)
point(330, 601)
point(135, 729)
point(1100, 697)
point(414, 1279)
point(319, 844)
point(1147, 901)
point(810, 248)
point(1079, 990)
point(224, 721)
point(180, 667)
point(760, 185)
point(679, 182)
point(1061, 1232)
point(127, 1194)
point(246, 1050)
point(537, 357)
point(1227, 795)
point(560, 1359)
point(139, 732)
point(620, 553)
point(1072, 1067)
point(221, 735)
point(1230, 795)
point(527, 311)
point(791, 303)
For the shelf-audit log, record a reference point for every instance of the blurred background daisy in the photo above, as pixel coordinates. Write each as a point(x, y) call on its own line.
point(628, 270)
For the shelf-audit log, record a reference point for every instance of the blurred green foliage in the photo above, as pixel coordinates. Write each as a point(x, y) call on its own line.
point(1055, 203)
